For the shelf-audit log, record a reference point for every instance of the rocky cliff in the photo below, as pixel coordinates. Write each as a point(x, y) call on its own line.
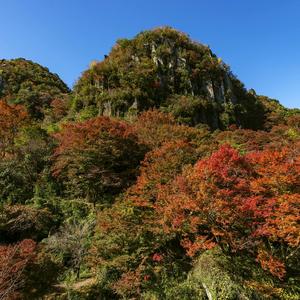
point(165, 68)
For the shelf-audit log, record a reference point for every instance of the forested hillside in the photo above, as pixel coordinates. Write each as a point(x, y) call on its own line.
point(33, 86)
point(158, 176)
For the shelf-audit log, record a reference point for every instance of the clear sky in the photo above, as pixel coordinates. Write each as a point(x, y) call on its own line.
point(259, 39)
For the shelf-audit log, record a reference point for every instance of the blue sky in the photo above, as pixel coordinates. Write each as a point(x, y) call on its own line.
point(259, 39)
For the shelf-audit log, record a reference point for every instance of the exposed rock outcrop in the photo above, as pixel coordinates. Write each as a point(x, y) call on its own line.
point(155, 68)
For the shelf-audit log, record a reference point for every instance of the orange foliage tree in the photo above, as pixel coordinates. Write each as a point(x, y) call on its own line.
point(159, 167)
point(12, 117)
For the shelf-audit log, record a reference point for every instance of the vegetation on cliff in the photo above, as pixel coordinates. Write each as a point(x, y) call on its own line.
point(165, 68)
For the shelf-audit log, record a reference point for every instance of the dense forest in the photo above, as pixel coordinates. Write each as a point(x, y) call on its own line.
point(158, 176)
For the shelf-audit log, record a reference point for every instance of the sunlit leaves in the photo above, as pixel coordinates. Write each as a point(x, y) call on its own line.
point(236, 201)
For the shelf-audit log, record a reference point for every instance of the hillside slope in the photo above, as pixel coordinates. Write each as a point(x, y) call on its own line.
point(25, 82)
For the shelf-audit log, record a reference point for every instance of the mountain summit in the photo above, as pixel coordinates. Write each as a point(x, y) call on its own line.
point(165, 68)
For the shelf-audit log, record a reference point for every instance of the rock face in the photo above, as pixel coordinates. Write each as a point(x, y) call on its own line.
point(25, 82)
point(158, 68)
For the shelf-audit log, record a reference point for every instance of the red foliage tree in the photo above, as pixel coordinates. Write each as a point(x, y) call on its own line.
point(13, 261)
point(237, 202)
point(96, 157)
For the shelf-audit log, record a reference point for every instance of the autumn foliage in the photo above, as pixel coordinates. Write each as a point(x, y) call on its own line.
point(236, 191)
point(239, 202)
point(154, 128)
point(13, 261)
point(97, 157)
point(146, 181)
point(12, 118)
